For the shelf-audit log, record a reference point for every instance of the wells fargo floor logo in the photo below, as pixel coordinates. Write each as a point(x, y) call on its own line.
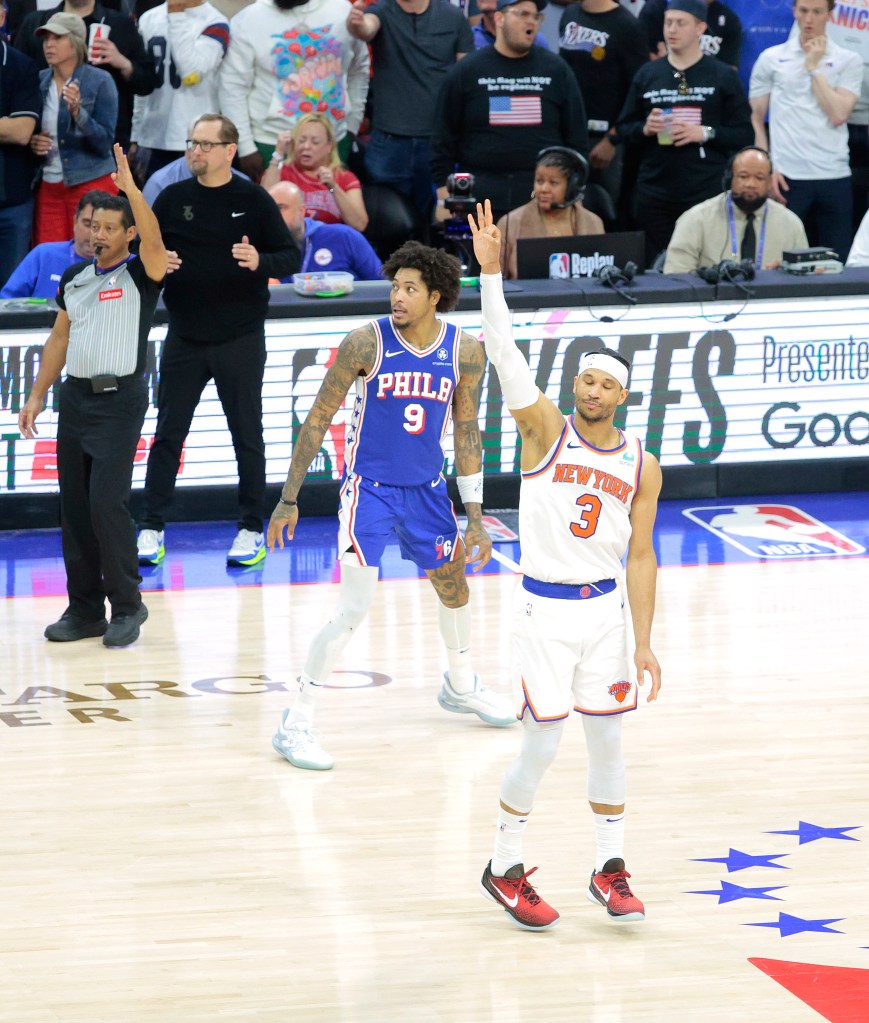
point(38, 705)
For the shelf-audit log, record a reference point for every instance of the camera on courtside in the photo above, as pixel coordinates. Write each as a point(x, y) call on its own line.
point(460, 199)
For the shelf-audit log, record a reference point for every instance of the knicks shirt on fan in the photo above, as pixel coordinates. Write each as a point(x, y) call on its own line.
point(574, 509)
point(402, 408)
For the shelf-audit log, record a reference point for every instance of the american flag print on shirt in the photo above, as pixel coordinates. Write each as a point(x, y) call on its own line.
point(687, 115)
point(515, 110)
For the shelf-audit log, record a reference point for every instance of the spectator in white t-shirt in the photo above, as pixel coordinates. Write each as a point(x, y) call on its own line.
point(187, 40)
point(808, 86)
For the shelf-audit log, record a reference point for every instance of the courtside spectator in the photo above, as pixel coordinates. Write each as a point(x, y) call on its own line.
point(604, 46)
point(500, 106)
point(187, 41)
point(688, 113)
point(722, 37)
point(20, 112)
point(119, 51)
point(484, 30)
point(286, 59)
point(555, 208)
point(741, 223)
point(324, 246)
point(414, 43)
point(38, 275)
point(308, 157)
point(79, 111)
point(808, 86)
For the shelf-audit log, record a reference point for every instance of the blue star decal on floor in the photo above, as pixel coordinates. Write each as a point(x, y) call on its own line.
point(737, 860)
point(812, 832)
point(733, 892)
point(788, 925)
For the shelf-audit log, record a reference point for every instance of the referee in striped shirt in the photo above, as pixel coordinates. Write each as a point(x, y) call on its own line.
point(100, 335)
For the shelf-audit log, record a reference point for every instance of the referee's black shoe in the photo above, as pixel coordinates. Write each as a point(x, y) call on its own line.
point(69, 627)
point(124, 629)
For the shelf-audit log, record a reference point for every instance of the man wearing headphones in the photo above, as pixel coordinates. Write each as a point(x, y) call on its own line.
point(740, 223)
point(555, 209)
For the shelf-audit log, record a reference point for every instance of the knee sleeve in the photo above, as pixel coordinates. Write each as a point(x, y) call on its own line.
point(606, 764)
point(539, 746)
point(357, 588)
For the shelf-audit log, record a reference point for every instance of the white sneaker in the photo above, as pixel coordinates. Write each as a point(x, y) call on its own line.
point(298, 743)
point(151, 547)
point(248, 548)
point(487, 705)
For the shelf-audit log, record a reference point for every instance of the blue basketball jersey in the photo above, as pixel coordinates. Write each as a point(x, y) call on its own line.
point(402, 408)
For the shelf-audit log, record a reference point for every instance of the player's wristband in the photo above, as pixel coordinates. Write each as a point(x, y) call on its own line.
point(289, 504)
point(471, 488)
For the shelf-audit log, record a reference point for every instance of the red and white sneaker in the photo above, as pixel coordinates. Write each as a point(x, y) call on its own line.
point(610, 888)
point(518, 898)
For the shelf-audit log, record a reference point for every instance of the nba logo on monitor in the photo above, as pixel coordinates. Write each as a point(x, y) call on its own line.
point(559, 266)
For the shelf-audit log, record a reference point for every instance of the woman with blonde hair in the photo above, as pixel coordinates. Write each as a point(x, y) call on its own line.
point(308, 156)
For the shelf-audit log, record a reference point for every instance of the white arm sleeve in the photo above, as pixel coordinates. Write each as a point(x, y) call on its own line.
point(517, 384)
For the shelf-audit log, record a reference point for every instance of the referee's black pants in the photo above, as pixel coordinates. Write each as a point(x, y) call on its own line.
point(97, 436)
point(237, 369)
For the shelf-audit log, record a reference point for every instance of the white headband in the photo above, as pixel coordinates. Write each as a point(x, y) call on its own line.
point(606, 364)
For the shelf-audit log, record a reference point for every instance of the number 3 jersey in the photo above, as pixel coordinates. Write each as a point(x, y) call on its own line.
point(574, 509)
point(402, 408)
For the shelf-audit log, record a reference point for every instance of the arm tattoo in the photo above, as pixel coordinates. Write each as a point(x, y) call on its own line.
point(355, 358)
point(466, 403)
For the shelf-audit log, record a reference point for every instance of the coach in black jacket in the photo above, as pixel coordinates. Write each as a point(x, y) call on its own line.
point(231, 238)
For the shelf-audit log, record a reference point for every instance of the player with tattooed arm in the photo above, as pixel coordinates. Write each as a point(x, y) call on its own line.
point(410, 372)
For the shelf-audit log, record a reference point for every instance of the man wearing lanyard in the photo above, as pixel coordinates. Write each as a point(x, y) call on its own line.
point(740, 223)
point(100, 335)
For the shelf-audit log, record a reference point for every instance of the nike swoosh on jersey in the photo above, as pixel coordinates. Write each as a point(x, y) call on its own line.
point(239, 214)
point(390, 354)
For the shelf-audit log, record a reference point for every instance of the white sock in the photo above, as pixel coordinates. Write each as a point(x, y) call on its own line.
point(306, 701)
point(455, 628)
point(610, 831)
point(508, 841)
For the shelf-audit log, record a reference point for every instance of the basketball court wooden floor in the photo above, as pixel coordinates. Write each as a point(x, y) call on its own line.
point(162, 863)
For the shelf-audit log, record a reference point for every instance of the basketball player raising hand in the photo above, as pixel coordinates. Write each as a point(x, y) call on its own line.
point(589, 492)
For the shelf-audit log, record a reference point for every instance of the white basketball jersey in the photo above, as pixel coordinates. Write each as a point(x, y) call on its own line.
point(574, 509)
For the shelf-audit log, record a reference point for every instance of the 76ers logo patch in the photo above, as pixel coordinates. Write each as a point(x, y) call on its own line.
point(620, 691)
point(443, 547)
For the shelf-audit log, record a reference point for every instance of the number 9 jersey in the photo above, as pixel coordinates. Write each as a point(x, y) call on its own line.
point(574, 509)
point(402, 409)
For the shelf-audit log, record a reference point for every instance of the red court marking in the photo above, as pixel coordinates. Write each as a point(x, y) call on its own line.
point(839, 993)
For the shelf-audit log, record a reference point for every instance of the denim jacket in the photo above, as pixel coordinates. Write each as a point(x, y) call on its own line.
point(86, 144)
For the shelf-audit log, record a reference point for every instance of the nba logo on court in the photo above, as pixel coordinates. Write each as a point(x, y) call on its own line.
point(773, 531)
point(559, 266)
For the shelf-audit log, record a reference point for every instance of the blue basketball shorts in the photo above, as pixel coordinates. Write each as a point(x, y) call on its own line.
point(421, 518)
